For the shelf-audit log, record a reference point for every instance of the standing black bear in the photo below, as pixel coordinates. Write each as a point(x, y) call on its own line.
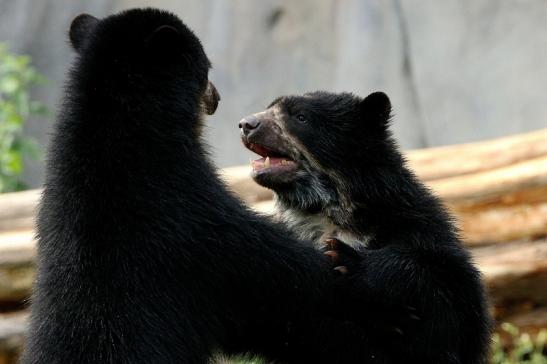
point(337, 171)
point(143, 256)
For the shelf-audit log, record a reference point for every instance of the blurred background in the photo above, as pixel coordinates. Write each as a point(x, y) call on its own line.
point(457, 71)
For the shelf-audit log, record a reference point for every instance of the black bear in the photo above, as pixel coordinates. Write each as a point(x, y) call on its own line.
point(336, 172)
point(143, 255)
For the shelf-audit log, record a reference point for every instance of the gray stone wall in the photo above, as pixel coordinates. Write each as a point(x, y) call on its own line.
point(456, 70)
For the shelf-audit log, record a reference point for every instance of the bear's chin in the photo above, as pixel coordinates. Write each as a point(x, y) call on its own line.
point(276, 176)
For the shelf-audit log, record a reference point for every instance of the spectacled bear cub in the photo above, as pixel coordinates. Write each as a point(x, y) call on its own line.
point(143, 255)
point(336, 171)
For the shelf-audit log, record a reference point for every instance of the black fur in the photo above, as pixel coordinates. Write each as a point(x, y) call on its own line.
point(143, 256)
point(425, 300)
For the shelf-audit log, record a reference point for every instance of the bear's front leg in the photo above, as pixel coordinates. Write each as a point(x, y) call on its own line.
point(357, 296)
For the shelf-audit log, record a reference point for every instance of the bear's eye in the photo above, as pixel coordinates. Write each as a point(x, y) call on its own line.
point(301, 118)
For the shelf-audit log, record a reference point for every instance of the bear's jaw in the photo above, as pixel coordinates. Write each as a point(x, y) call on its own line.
point(274, 166)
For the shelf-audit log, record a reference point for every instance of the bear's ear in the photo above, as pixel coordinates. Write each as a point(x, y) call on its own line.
point(211, 97)
point(162, 37)
point(80, 28)
point(375, 109)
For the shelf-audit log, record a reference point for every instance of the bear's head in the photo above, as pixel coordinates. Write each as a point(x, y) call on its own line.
point(315, 144)
point(141, 49)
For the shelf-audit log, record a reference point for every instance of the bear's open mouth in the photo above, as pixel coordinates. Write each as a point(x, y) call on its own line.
point(271, 161)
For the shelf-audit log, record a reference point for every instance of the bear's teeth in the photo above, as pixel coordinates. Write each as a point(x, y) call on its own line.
point(267, 162)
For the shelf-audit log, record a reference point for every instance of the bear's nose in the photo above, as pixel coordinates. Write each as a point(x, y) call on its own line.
point(248, 124)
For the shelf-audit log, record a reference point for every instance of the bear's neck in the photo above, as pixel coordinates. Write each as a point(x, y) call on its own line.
point(389, 205)
point(316, 227)
point(378, 207)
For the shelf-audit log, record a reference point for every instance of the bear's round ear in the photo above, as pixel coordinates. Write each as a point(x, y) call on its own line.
point(211, 97)
point(80, 28)
point(375, 109)
point(163, 36)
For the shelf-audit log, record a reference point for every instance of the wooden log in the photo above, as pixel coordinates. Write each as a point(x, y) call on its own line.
point(503, 224)
point(512, 271)
point(515, 275)
point(499, 225)
point(17, 209)
point(516, 184)
point(520, 182)
point(483, 185)
point(17, 265)
point(12, 332)
point(515, 272)
point(492, 205)
point(460, 159)
point(529, 195)
point(239, 181)
point(530, 321)
point(444, 162)
point(453, 160)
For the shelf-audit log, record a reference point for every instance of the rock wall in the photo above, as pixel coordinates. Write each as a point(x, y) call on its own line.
point(456, 70)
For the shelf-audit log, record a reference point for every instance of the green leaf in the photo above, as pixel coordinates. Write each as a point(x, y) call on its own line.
point(15, 120)
point(23, 103)
point(12, 163)
point(17, 77)
point(9, 84)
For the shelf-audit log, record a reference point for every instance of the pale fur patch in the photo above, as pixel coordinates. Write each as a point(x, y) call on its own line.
point(316, 228)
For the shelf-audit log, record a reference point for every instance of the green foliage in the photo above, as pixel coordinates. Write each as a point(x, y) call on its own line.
point(523, 350)
point(17, 76)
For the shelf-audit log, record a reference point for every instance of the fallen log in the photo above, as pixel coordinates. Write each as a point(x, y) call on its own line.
point(454, 160)
point(503, 224)
point(524, 181)
point(499, 225)
point(460, 159)
point(519, 197)
point(17, 209)
point(239, 181)
point(12, 332)
point(531, 321)
point(515, 276)
point(518, 180)
point(477, 187)
point(487, 212)
point(512, 271)
point(515, 272)
point(17, 265)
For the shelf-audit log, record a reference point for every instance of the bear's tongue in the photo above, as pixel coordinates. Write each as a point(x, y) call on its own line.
point(271, 162)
